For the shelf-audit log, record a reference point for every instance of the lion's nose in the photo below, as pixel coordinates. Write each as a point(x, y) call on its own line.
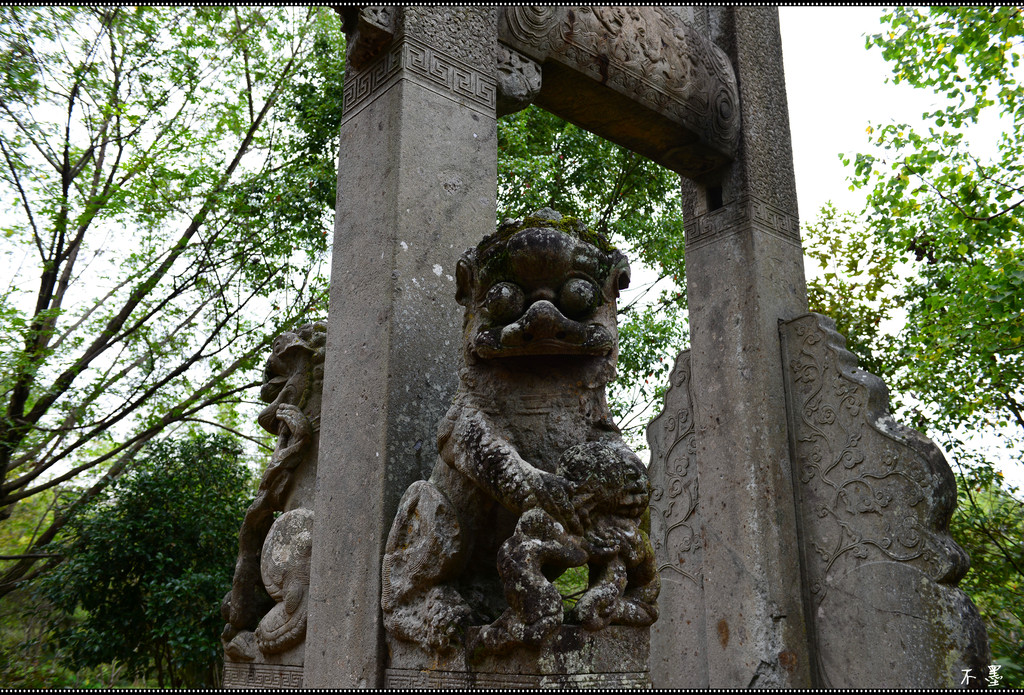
point(542, 321)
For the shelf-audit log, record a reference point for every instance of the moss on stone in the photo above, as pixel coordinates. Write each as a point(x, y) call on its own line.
point(569, 225)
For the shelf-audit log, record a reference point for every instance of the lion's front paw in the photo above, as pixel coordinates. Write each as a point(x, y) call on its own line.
point(447, 617)
point(596, 608)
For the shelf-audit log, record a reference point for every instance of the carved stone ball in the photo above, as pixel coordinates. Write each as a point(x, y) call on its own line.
point(606, 478)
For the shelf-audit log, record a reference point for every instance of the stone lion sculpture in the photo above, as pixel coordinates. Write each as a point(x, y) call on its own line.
point(265, 610)
point(540, 345)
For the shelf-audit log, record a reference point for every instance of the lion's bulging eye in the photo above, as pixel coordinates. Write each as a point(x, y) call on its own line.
point(577, 298)
point(504, 302)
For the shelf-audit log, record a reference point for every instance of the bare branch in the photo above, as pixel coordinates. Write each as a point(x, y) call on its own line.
point(233, 431)
point(24, 199)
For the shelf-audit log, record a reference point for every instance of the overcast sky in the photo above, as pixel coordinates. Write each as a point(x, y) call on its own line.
point(835, 88)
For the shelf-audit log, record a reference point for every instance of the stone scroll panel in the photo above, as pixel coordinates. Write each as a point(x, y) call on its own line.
point(639, 76)
point(874, 500)
point(678, 656)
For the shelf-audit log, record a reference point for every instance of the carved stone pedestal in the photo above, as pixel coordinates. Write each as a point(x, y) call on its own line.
point(615, 657)
point(258, 676)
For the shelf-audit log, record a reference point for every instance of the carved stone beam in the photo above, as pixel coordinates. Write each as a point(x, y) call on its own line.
point(368, 29)
point(639, 76)
point(519, 81)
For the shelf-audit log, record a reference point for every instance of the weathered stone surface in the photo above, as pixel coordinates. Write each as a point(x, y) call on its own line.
point(678, 639)
point(874, 502)
point(532, 476)
point(639, 76)
point(266, 607)
point(258, 676)
point(416, 184)
point(572, 658)
point(285, 569)
point(706, 97)
point(519, 80)
point(744, 272)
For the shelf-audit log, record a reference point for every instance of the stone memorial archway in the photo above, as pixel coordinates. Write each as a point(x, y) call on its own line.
point(701, 91)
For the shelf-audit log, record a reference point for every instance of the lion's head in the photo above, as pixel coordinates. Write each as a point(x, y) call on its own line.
point(545, 285)
point(294, 371)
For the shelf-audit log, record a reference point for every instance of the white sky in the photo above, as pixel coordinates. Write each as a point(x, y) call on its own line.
point(835, 88)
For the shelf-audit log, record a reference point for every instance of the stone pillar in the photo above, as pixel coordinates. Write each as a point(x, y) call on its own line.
point(416, 187)
point(744, 273)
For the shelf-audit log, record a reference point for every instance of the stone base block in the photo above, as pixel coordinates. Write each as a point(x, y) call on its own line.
point(615, 657)
point(256, 676)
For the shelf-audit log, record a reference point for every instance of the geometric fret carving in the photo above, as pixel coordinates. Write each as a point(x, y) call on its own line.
point(731, 218)
point(411, 59)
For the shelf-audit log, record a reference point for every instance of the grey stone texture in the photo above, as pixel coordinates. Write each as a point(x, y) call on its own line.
point(744, 272)
point(679, 638)
point(266, 609)
point(532, 476)
point(416, 186)
point(261, 676)
point(755, 555)
point(574, 658)
point(640, 77)
point(700, 90)
point(874, 500)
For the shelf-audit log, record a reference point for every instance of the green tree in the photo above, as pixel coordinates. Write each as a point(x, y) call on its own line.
point(543, 161)
point(954, 213)
point(943, 236)
point(149, 559)
point(167, 188)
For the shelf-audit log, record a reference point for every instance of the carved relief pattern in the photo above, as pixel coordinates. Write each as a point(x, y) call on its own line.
point(645, 52)
point(463, 33)
point(398, 678)
point(869, 489)
point(262, 676)
point(717, 224)
point(675, 523)
point(519, 81)
point(414, 60)
point(266, 607)
point(368, 30)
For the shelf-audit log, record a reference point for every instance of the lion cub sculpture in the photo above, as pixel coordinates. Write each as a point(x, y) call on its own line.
point(532, 475)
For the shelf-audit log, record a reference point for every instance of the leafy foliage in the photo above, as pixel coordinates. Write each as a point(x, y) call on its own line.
point(544, 161)
point(955, 214)
point(944, 235)
point(167, 187)
point(149, 559)
point(989, 525)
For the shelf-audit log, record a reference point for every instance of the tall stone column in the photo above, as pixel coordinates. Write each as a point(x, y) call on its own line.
point(416, 187)
point(744, 273)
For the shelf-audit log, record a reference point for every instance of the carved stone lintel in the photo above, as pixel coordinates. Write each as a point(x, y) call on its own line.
point(368, 30)
point(874, 501)
point(519, 80)
point(639, 76)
